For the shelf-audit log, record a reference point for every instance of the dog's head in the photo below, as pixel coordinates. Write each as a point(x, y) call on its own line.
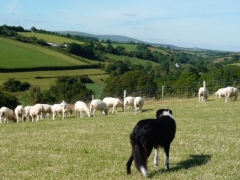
point(163, 112)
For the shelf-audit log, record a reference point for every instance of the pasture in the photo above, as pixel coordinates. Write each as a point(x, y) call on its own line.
point(15, 54)
point(206, 145)
point(44, 79)
point(132, 60)
point(50, 38)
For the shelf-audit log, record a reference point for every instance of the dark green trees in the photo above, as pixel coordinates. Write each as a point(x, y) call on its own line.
point(132, 82)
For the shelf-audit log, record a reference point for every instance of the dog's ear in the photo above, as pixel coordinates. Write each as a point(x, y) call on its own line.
point(159, 113)
point(170, 111)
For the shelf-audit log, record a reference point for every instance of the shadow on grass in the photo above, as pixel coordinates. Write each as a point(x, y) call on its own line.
point(193, 161)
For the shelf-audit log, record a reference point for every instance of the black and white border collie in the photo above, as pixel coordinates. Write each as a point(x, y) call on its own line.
point(149, 134)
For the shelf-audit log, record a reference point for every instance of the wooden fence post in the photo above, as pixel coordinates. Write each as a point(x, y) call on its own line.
point(162, 91)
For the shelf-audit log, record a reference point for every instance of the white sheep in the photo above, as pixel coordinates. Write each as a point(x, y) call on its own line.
point(27, 111)
point(36, 111)
point(220, 92)
point(231, 92)
point(63, 108)
point(97, 104)
point(138, 104)
point(204, 93)
point(46, 110)
point(114, 103)
point(7, 114)
point(128, 101)
point(20, 113)
point(81, 107)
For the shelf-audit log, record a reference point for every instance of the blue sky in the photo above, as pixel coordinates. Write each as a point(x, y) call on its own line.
point(211, 24)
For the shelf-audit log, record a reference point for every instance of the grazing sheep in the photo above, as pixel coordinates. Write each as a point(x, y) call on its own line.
point(7, 114)
point(129, 101)
point(46, 110)
point(149, 134)
point(63, 108)
point(20, 113)
point(138, 104)
point(231, 92)
point(36, 111)
point(220, 92)
point(97, 104)
point(66, 108)
point(81, 107)
point(114, 103)
point(27, 112)
point(204, 93)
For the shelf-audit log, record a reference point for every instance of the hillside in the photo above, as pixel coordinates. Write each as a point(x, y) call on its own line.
point(117, 38)
point(28, 55)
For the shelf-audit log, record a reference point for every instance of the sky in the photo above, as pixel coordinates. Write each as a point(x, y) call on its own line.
point(209, 24)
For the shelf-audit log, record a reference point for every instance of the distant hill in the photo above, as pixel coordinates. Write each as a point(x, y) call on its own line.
point(117, 38)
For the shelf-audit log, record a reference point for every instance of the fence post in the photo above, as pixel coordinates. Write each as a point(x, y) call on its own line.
point(93, 96)
point(162, 91)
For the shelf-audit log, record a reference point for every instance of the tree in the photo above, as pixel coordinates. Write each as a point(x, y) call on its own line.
point(69, 89)
point(8, 100)
point(33, 29)
point(13, 85)
point(132, 81)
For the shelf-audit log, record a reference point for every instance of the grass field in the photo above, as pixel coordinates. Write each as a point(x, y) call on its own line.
point(206, 145)
point(15, 54)
point(50, 38)
point(132, 60)
point(48, 78)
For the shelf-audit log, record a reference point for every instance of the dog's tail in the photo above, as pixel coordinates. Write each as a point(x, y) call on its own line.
point(139, 156)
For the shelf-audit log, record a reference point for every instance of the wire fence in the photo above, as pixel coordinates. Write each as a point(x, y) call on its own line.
point(177, 91)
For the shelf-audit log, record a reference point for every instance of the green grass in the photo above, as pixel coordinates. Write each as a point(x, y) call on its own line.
point(15, 54)
point(158, 50)
point(50, 38)
point(132, 60)
point(206, 145)
point(128, 47)
point(48, 78)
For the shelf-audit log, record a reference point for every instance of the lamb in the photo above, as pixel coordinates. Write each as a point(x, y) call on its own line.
point(231, 92)
point(63, 108)
point(81, 107)
point(204, 93)
point(138, 104)
point(97, 104)
point(220, 92)
point(27, 111)
point(149, 134)
point(7, 114)
point(114, 103)
point(20, 113)
point(46, 110)
point(128, 101)
point(36, 111)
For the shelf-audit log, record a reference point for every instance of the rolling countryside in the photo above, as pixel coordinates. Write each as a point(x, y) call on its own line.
point(206, 144)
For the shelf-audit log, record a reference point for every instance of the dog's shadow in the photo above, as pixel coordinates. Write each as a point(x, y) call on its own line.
point(193, 161)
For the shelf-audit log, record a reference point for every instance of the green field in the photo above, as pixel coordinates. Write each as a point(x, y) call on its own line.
point(15, 54)
point(206, 145)
point(50, 38)
point(45, 79)
point(132, 60)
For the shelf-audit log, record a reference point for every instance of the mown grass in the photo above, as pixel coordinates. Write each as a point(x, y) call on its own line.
point(158, 50)
point(44, 79)
point(206, 145)
point(133, 60)
point(50, 38)
point(15, 54)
